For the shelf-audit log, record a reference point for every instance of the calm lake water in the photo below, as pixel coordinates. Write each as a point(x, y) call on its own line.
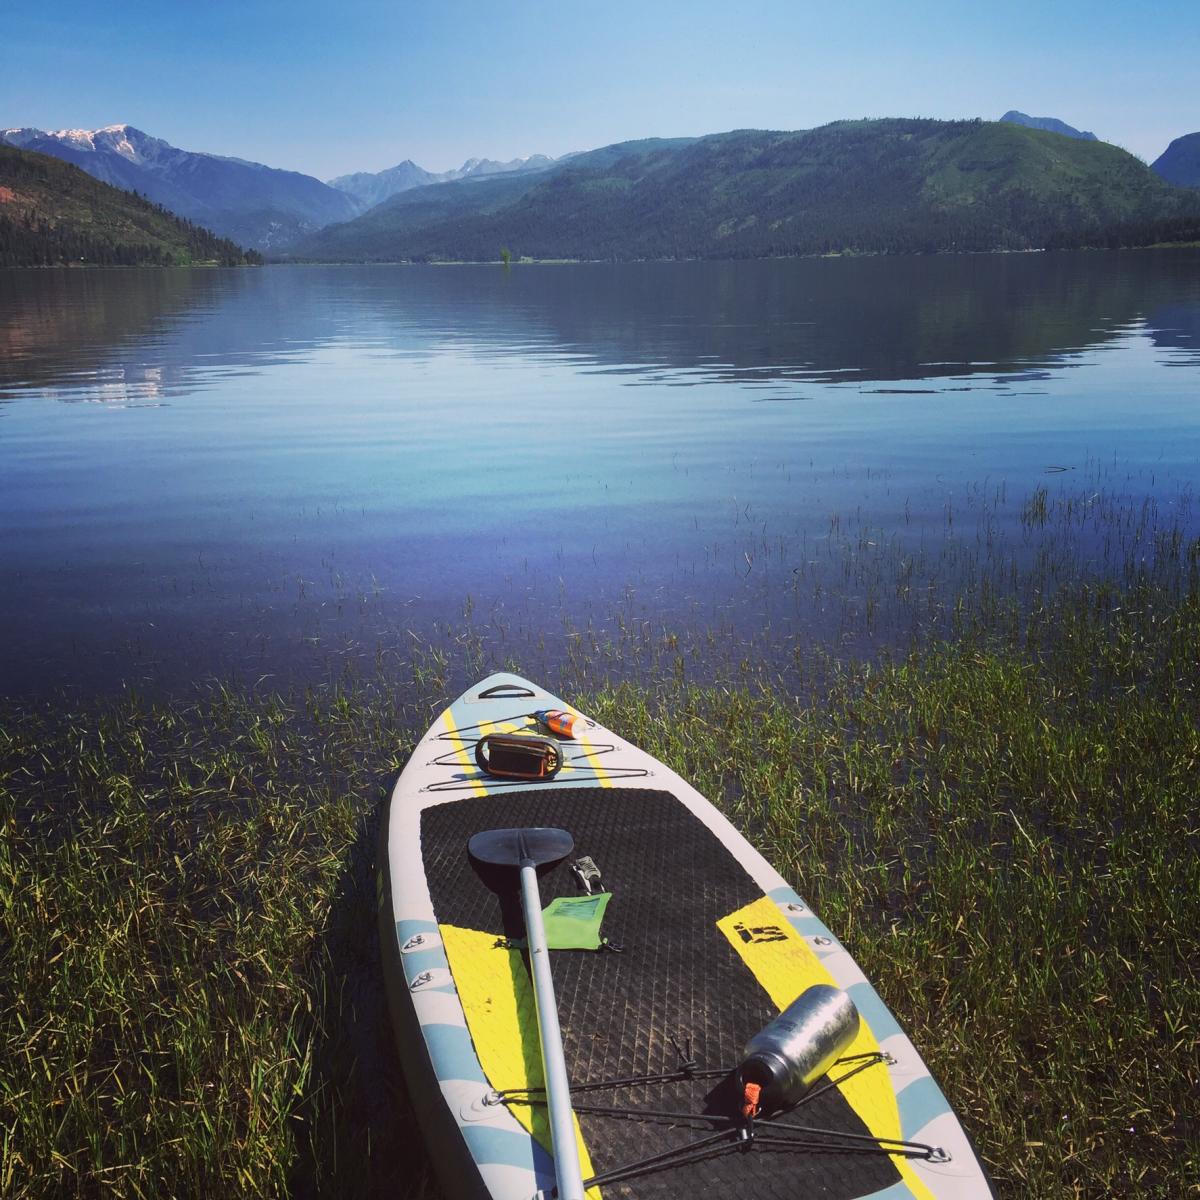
point(274, 472)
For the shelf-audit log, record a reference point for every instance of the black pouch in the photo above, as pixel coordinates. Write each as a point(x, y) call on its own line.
point(507, 756)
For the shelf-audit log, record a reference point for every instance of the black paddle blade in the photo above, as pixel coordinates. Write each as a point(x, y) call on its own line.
point(517, 847)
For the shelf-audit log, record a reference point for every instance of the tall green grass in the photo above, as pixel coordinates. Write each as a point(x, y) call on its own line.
point(1001, 824)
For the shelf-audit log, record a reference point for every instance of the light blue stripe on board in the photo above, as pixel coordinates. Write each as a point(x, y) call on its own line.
point(416, 961)
point(920, 1102)
point(408, 928)
point(505, 1147)
point(502, 1146)
point(811, 926)
point(897, 1191)
point(453, 1052)
point(805, 923)
point(873, 1011)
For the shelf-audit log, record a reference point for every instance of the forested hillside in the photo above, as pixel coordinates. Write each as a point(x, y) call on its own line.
point(53, 213)
point(882, 186)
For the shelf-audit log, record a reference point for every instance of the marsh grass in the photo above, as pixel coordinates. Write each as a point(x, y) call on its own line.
point(1000, 822)
point(190, 972)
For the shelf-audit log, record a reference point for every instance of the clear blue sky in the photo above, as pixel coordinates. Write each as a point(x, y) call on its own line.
point(331, 88)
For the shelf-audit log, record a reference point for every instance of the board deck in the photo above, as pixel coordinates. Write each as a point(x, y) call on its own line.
point(713, 944)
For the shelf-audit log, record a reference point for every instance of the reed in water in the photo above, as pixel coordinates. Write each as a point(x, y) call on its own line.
point(999, 822)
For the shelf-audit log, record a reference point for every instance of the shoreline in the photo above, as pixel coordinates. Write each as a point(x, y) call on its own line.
point(531, 262)
point(1001, 830)
point(556, 262)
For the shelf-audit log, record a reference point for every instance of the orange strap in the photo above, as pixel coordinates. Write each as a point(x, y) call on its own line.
point(750, 1096)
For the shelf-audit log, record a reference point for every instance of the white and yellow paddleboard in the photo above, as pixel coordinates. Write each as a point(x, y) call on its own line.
point(713, 943)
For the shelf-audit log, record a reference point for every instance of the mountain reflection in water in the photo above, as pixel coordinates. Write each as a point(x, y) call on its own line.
point(339, 455)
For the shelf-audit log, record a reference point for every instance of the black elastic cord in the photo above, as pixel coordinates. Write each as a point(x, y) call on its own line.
point(869, 1060)
point(678, 1156)
point(867, 1142)
point(908, 1150)
point(769, 1133)
point(647, 1114)
point(594, 1085)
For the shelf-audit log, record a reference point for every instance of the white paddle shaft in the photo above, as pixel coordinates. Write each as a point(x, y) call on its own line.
point(554, 1064)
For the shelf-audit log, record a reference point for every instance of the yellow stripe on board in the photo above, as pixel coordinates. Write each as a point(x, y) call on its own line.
point(782, 962)
point(497, 998)
point(593, 759)
point(460, 750)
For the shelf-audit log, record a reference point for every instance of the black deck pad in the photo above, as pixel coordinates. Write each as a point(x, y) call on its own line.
point(677, 977)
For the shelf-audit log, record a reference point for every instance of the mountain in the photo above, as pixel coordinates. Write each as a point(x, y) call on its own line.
point(256, 205)
point(879, 186)
point(370, 190)
point(489, 166)
point(368, 237)
point(51, 212)
point(1179, 163)
point(1048, 124)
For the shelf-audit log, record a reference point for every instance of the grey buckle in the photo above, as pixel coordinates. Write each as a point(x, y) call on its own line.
point(587, 874)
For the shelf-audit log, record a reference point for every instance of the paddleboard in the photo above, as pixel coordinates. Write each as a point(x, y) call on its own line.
point(706, 944)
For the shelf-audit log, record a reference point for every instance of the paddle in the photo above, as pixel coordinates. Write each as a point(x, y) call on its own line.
point(529, 849)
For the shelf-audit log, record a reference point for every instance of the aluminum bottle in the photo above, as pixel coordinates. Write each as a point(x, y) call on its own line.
point(800, 1045)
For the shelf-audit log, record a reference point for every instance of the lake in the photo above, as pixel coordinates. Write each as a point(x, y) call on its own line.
point(276, 473)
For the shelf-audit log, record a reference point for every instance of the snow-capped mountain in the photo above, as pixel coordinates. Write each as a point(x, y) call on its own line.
point(255, 205)
point(371, 189)
point(489, 166)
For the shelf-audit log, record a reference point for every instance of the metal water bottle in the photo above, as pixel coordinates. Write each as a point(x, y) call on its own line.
point(783, 1060)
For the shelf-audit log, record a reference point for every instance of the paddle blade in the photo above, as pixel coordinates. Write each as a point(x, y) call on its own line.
point(517, 847)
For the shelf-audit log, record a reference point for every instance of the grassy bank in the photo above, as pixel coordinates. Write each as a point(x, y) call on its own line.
point(1001, 825)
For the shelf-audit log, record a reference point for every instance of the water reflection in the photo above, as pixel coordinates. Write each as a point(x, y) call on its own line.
point(1176, 326)
point(343, 454)
point(981, 319)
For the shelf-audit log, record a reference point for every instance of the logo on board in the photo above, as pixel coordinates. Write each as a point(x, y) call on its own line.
point(753, 934)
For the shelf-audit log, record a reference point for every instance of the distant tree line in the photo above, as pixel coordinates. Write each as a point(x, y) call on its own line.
point(67, 217)
point(869, 187)
point(1131, 234)
point(30, 240)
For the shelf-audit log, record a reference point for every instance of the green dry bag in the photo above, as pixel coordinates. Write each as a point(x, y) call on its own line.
point(572, 923)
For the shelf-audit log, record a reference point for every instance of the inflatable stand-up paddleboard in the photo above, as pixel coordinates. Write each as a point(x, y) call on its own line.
point(683, 970)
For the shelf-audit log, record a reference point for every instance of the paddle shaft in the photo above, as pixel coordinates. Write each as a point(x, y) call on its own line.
point(554, 1064)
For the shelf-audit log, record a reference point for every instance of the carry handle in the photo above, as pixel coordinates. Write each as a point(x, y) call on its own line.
point(509, 691)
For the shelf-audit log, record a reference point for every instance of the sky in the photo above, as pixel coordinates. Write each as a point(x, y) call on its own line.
point(329, 88)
